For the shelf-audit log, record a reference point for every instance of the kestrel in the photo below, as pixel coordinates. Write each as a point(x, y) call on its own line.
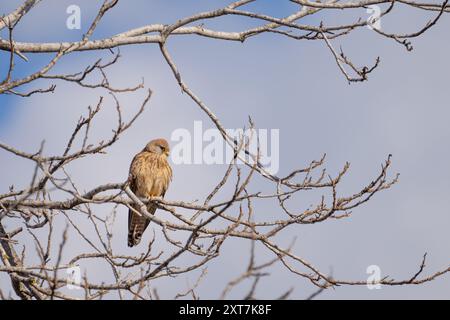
point(150, 175)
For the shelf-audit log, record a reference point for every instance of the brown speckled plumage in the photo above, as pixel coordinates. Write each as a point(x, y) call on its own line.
point(150, 175)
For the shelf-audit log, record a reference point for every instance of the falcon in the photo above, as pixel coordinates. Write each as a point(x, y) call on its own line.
point(150, 175)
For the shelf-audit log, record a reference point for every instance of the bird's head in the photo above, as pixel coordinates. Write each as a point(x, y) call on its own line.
point(158, 146)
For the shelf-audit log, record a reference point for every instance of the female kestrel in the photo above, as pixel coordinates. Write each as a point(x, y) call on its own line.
point(150, 175)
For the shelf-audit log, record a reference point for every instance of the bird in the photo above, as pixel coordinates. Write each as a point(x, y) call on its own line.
point(150, 175)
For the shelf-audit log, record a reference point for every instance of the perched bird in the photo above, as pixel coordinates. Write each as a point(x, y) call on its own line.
point(150, 175)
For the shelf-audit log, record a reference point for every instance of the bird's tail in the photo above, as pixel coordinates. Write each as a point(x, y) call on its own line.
point(137, 225)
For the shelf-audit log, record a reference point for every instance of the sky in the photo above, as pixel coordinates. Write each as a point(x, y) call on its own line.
point(292, 86)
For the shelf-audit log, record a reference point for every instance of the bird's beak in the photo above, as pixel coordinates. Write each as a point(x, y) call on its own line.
point(167, 153)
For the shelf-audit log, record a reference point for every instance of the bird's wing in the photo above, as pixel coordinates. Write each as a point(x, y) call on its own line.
point(136, 222)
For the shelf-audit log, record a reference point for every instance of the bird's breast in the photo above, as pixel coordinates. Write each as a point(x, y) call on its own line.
point(152, 176)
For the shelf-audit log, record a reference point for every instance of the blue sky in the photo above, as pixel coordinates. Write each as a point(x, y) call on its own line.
point(292, 86)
